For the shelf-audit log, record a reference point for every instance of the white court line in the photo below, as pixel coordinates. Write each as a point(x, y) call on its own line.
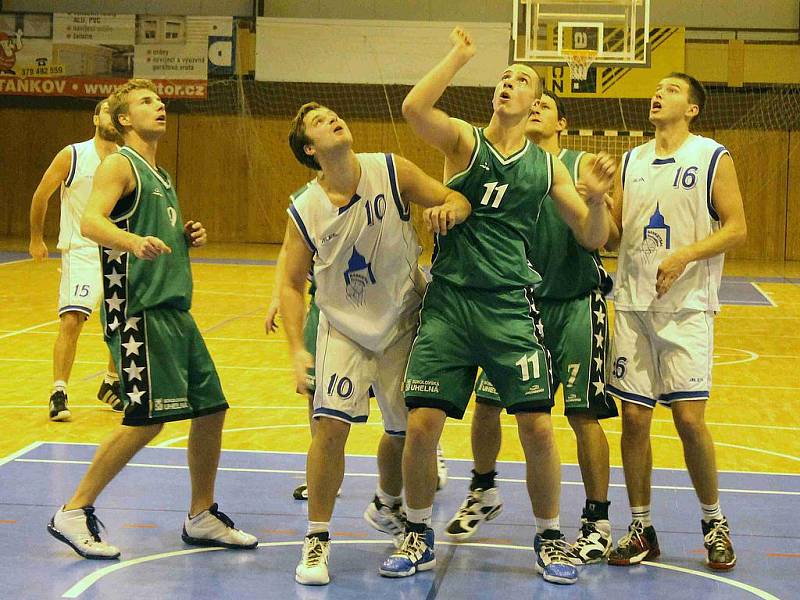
point(742, 586)
point(674, 438)
point(15, 262)
point(763, 293)
point(305, 408)
point(469, 460)
point(682, 488)
point(206, 338)
point(26, 330)
point(105, 362)
point(20, 452)
point(750, 357)
point(180, 438)
point(85, 583)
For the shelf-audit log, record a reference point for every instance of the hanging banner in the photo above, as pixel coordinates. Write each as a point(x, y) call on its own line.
point(92, 29)
point(89, 55)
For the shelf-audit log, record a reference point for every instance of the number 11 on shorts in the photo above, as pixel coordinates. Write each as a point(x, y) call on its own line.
point(523, 363)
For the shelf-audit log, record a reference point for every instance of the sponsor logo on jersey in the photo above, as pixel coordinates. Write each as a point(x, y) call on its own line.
point(656, 235)
point(357, 277)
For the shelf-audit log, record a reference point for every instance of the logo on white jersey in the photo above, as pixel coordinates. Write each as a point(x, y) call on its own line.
point(357, 277)
point(656, 236)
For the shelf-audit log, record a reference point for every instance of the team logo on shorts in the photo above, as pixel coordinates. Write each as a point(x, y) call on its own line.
point(357, 277)
point(656, 236)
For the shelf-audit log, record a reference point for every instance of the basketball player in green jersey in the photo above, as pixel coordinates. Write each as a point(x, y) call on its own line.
point(478, 310)
point(166, 373)
point(572, 306)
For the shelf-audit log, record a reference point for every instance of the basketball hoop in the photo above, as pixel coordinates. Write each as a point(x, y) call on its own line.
point(579, 62)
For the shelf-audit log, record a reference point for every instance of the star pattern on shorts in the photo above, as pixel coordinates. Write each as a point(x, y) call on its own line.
point(134, 371)
point(136, 395)
point(114, 279)
point(131, 347)
point(112, 325)
point(114, 303)
point(132, 323)
point(114, 255)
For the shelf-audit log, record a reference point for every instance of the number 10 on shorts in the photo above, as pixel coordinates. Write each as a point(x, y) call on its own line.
point(524, 362)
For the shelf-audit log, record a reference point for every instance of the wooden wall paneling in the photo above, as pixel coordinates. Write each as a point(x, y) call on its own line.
point(274, 174)
point(29, 140)
point(793, 199)
point(760, 159)
point(212, 175)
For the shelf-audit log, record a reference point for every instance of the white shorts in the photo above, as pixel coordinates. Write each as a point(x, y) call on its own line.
point(347, 371)
point(81, 280)
point(662, 357)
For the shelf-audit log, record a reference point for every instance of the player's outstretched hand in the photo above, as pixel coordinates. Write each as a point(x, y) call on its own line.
point(440, 219)
point(597, 182)
point(150, 248)
point(271, 321)
point(302, 362)
point(462, 43)
point(668, 272)
point(195, 233)
point(38, 250)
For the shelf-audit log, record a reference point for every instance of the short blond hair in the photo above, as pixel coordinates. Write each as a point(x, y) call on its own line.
point(118, 101)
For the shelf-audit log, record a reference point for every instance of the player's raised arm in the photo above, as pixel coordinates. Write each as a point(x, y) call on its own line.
point(589, 219)
point(56, 173)
point(445, 208)
point(112, 181)
point(451, 136)
point(292, 290)
point(726, 199)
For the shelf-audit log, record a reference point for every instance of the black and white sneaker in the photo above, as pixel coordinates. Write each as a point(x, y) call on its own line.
point(80, 529)
point(593, 544)
point(109, 393)
point(387, 519)
point(58, 407)
point(213, 527)
point(479, 506)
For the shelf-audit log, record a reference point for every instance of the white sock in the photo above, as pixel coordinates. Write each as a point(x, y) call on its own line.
point(420, 515)
point(711, 512)
point(318, 527)
point(544, 524)
point(387, 499)
point(59, 385)
point(642, 513)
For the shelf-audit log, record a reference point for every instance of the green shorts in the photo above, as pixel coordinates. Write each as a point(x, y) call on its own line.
point(576, 336)
point(462, 329)
point(166, 372)
point(310, 341)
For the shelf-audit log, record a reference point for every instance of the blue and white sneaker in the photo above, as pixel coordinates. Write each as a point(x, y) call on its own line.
point(552, 560)
point(415, 554)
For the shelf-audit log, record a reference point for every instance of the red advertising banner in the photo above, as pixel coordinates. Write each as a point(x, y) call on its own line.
point(96, 87)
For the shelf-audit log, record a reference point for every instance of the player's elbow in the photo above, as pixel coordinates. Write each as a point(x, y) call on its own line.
point(740, 234)
point(413, 110)
point(88, 228)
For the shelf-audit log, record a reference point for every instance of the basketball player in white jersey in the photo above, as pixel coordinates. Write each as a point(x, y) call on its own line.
point(72, 170)
point(678, 210)
point(353, 223)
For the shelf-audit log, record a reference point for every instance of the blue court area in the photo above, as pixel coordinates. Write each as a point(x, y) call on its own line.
point(144, 507)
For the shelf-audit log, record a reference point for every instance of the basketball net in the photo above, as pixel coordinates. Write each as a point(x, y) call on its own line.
point(579, 62)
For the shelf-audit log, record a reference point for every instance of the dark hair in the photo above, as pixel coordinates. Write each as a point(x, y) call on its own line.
point(697, 93)
point(561, 112)
point(118, 101)
point(298, 140)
